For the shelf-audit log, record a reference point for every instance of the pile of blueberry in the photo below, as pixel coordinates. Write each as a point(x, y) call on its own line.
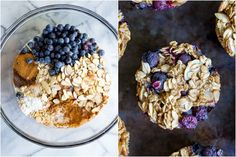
point(156, 4)
point(206, 150)
point(60, 45)
point(191, 118)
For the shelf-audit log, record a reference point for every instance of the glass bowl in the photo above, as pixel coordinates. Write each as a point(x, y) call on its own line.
point(23, 30)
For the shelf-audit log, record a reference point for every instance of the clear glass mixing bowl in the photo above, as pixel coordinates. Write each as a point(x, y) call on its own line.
point(23, 30)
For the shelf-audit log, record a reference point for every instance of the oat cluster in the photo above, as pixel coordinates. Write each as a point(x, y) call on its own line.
point(193, 84)
point(186, 151)
point(124, 34)
point(84, 86)
point(123, 144)
point(226, 26)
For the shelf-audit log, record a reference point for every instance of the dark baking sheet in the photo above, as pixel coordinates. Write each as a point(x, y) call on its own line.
point(194, 22)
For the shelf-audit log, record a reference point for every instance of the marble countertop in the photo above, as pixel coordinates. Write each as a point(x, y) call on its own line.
point(11, 143)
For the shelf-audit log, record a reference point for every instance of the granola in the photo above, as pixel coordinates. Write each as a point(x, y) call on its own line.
point(123, 34)
point(198, 150)
point(158, 5)
point(123, 144)
point(226, 26)
point(177, 86)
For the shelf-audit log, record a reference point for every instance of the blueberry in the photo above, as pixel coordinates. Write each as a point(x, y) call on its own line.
point(29, 60)
point(142, 5)
point(24, 50)
point(68, 45)
point(67, 27)
point(40, 44)
point(55, 29)
point(197, 148)
point(72, 37)
point(158, 80)
point(94, 44)
point(60, 27)
point(46, 53)
point(19, 95)
point(85, 47)
point(57, 70)
point(59, 64)
point(83, 41)
point(151, 58)
point(57, 48)
point(82, 53)
point(85, 35)
point(58, 34)
point(101, 52)
point(70, 53)
point(74, 50)
point(36, 38)
point(52, 55)
point(52, 35)
point(211, 151)
point(189, 122)
point(66, 49)
point(74, 56)
point(78, 41)
point(79, 47)
point(92, 40)
point(63, 58)
point(63, 35)
point(68, 60)
point(57, 56)
point(34, 52)
point(61, 52)
point(51, 72)
point(49, 42)
point(185, 58)
point(41, 60)
point(37, 48)
point(47, 60)
point(72, 28)
point(162, 5)
point(66, 40)
point(73, 43)
point(75, 34)
point(49, 28)
point(61, 41)
point(41, 54)
point(50, 47)
point(55, 41)
point(200, 113)
point(31, 45)
point(45, 32)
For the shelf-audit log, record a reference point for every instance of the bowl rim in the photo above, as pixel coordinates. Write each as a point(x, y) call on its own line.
point(4, 39)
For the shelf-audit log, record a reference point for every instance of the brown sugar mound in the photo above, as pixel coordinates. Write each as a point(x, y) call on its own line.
point(24, 74)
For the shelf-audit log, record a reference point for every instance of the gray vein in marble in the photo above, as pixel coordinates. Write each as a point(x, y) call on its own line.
point(36, 151)
point(3, 30)
point(32, 4)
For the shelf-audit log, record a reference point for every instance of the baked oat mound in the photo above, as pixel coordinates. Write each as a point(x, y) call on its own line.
point(198, 150)
point(123, 144)
point(123, 34)
point(158, 5)
point(177, 86)
point(226, 26)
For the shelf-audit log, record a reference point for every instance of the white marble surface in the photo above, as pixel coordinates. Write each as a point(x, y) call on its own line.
point(11, 143)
